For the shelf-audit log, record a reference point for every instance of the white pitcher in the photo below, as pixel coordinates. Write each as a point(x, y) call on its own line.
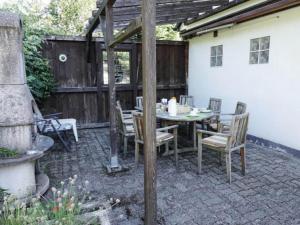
point(172, 107)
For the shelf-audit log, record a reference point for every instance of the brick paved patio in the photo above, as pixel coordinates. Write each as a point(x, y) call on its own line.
point(268, 194)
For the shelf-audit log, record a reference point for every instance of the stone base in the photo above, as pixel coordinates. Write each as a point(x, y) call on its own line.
point(112, 170)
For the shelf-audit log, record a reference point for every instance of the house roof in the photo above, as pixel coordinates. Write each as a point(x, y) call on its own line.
point(232, 13)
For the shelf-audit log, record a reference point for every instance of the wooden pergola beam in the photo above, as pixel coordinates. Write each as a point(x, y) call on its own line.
point(166, 9)
point(137, 3)
point(95, 20)
point(134, 27)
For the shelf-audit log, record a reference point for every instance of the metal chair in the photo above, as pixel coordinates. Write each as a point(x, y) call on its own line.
point(162, 136)
point(47, 124)
point(226, 143)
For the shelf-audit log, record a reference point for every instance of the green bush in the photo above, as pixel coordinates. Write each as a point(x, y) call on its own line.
point(39, 77)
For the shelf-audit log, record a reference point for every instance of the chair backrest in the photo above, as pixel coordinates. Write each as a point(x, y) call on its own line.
point(186, 100)
point(138, 125)
point(139, 101)
point(238, 130)
point(240, 108)
point(215, 105)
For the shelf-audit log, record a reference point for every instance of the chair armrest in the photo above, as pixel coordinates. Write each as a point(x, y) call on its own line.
point(167, 128)
point(227, 114)
point(213, 133)
point(49, 116)
point(222, 120)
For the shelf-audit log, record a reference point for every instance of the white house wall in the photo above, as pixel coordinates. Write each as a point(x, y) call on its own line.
point(271, 91)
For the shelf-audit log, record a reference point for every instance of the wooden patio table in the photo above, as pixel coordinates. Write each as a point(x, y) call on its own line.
point(184, 118)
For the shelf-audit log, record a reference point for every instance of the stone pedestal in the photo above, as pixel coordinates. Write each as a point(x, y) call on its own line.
point(17, 175)
point(16, 116)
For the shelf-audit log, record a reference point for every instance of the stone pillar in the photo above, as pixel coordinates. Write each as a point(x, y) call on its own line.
point(15, 107)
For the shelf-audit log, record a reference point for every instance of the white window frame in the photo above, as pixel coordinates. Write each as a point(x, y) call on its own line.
point(260, 50)
point(216, 56)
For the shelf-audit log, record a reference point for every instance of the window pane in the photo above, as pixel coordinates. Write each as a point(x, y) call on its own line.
point(213, 61)
point(264, 57)
point(122, 68)
point(213, 51)
point(253, 57)
point(220, 50)
point(254, 44)
point(219, 61)
point(265, 43)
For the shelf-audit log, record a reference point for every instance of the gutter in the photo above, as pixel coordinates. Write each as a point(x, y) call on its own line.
point(242, 17)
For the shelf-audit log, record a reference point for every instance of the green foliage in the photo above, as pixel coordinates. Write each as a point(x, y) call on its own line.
point(166, 32)
point(2, 194)
point(69, 16)
point(7, 153)
point(39, 77)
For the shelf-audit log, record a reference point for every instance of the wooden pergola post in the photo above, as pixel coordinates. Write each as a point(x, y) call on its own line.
point(149, 104)
point(114, 162)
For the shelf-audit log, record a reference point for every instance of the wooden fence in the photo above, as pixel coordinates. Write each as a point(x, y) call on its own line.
point(80, 90)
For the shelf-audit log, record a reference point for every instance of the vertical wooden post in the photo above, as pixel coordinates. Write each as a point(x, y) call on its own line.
point(149, 96)
point(114, 164)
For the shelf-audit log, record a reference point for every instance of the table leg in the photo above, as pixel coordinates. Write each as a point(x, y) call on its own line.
point(195, 134)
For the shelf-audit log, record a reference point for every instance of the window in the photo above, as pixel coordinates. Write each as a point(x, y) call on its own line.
point(259, 50)
point(122, 67)
point(216, 56)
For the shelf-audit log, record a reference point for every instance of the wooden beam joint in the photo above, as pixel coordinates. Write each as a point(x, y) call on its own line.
point(134, 27)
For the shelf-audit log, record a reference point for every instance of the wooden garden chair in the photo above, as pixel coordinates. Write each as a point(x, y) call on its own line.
point(127, 114)
point(186, 100)
point(163, 137)
point(214, 105)
point(224, 123)
point(125, 125)
point(226, 143)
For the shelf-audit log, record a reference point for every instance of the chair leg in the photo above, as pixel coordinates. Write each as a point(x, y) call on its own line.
point(243, 160)
point(61, 139)
point(74, 127)
point(175, 148)
point(136, 154)
point(199, 152)
point(228, 166)
point(220, 158)
point(167, 147)
point(125, 146)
